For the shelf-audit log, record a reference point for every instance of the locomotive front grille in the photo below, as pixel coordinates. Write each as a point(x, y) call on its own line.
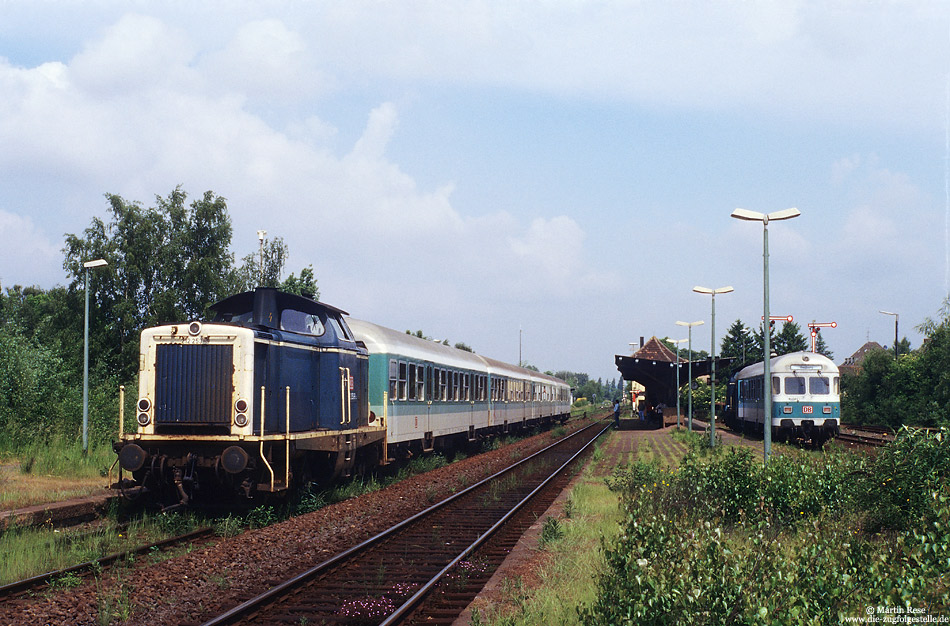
point(193, 384)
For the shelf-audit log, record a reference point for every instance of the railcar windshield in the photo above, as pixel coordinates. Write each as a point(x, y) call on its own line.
point(794, 386)
point(819, 386)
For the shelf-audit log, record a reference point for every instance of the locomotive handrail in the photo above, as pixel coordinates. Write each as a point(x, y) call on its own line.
point(264, 458)
point(286, 444)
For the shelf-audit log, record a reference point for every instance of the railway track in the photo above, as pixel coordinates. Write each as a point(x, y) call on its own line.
point(425, 569)
point(30, 585)
point(865, 436)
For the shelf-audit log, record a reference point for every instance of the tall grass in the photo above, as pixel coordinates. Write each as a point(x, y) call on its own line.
point(42, 473)
point(30, 551)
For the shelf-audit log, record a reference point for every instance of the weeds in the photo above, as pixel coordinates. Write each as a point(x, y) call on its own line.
point(551, 531)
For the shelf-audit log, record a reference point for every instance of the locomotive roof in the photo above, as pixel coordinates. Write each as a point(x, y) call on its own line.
point(264, 298)
point(783, 364)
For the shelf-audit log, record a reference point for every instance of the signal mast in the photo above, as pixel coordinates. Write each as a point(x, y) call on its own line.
point(815, 326)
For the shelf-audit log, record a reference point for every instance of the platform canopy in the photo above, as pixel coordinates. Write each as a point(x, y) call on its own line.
point(654, 366)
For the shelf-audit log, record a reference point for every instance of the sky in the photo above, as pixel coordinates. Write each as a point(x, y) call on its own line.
point(549, 176)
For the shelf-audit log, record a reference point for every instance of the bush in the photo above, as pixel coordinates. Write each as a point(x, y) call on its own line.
point(731, 541)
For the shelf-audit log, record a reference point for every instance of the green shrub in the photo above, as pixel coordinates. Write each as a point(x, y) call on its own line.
point(728, 540)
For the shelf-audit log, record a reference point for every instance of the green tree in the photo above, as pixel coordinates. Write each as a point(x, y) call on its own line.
point(306, 285)
point(739, 345)
point(822, 348)
point(166, 263)
point(251, 274)
point(790, 339)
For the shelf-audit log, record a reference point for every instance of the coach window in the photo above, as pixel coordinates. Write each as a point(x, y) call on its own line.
point(429, 383)
point(819, 386)
point(794, 386)
point(393, 379)
point(403, 378)
point(443, 386)
point(456, 386)
point(420, 382)
point(412, 381)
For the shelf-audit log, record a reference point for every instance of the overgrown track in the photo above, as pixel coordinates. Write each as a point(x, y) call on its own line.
point(865, 436)
point(426, 568)
point(27, 585)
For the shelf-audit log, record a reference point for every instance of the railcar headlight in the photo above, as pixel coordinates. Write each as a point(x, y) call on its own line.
point(194, 328)
point(826, 410)
point(240, 420)
point(144, 404)
point(144, 419)
point(241, 406)
point(786, 409)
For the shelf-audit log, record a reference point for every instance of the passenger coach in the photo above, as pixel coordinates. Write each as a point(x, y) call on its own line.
point(427, 393)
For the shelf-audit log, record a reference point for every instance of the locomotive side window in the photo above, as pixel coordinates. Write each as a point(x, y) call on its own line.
point(342, 331)
point(300, 322)
point(794, 386)
point(819, 386)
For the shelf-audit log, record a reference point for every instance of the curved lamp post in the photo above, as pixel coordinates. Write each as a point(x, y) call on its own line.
point(88, 265)
point(712, 380)
point(896, 317)
point(689, 368)
point(765, 218)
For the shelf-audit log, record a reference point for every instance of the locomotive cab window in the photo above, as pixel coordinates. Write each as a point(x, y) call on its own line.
point(300, 322)
point(794, 386)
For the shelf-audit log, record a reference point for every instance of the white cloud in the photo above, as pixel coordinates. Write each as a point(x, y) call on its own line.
point(26, 251)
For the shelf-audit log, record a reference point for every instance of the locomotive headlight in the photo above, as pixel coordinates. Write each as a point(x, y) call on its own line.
point(144, 404)
point(240, 420)
point(194, 328)
point(143, 419)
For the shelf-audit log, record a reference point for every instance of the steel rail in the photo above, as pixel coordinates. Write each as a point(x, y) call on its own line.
point(20, 586)
point(409, 605)
point(239, 612)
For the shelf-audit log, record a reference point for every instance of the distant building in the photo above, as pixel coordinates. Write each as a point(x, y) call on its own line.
point(852, 364)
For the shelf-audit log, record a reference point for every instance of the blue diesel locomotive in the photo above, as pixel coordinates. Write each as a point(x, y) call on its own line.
point(279, 389)
point(805, 398)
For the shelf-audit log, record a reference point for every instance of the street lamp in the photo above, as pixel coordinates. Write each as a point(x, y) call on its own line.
point(896, 317)
point(88, 265)
point(765, 218)
point(712, 404)
point(677, 342)
point(689, 368)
